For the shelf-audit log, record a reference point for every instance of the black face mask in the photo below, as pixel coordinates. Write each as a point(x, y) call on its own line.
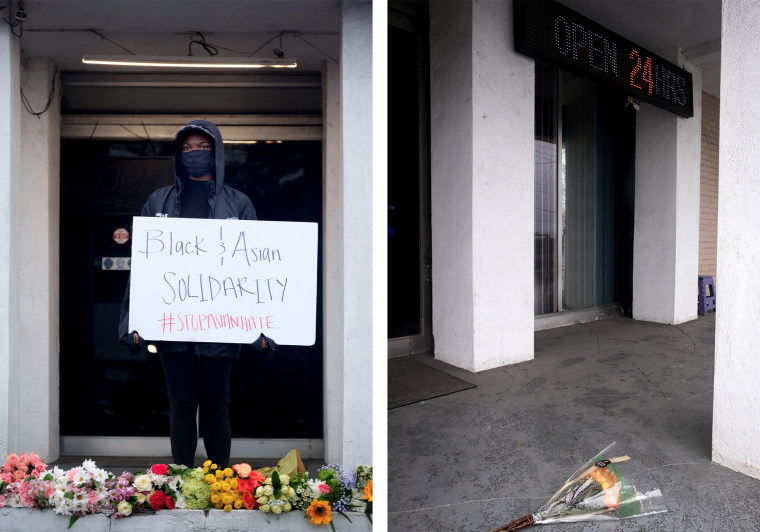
point(198, 162)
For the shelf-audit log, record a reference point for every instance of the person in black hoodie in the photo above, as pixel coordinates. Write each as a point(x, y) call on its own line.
point(197, 374)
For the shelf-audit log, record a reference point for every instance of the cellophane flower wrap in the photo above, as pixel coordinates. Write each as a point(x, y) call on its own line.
point(607, 487)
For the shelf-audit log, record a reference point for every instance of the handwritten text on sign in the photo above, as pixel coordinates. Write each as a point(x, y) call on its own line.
point(227, 281)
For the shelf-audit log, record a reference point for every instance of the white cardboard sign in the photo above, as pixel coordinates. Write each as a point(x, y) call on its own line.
point(226, 281)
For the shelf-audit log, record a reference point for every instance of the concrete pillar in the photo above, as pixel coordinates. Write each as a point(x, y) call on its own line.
point(10, 389)
point(736, 418)
point(482, 100)
point(666, 218)
point(348, 372)
point(38, 215)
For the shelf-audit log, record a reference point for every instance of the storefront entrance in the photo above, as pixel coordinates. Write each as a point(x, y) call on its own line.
point(584, 195)
point(113, 403)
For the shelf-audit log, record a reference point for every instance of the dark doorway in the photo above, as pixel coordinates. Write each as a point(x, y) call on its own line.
point(105, 391)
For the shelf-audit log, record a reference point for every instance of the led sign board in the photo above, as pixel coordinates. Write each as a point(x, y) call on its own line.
point(549, 31)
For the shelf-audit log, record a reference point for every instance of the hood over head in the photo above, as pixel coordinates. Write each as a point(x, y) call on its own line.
point(210, 130)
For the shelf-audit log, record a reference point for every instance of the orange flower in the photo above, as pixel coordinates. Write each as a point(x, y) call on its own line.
point(320, 512)
point(368, 491)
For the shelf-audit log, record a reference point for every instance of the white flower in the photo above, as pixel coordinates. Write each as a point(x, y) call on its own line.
point(268, 491)
point(124, 508)
point(141, 498)
point(88, 464)
point(142, 483)
point(276, 510)
point(102, 492)
point(285, 479)
point(181, 502)
point(262, 500)
point(259, 491)
point(99, 475)
point(268, 481)
point(291, 493)
point(265, 508)
point(314, 486)
point(287, 507)
point(157, 480)
point(82, 477)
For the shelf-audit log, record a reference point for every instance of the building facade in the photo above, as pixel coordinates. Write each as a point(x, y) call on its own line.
point(557, 185)
point(83, 146)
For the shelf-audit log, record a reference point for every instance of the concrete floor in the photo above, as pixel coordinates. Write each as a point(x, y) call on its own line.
point(479, 458)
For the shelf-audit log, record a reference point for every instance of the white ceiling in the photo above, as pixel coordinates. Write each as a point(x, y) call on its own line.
point(57, 29)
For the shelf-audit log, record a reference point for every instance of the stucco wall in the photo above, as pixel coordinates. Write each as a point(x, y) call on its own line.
point(666, 214)
point(9, 239)
point(356, 226)
point(38, 253)
point(481, 186)
point(736, 418)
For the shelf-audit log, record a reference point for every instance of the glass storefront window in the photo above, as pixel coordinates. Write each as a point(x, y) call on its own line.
point(584, 171)
point(105, 391)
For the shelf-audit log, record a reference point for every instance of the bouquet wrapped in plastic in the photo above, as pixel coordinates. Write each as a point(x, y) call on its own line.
point(601, 489)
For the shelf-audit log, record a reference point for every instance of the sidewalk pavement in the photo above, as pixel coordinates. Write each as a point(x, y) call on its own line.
point(480, 458)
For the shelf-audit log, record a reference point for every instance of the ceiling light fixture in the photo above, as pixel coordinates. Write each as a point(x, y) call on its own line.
point(188, 62)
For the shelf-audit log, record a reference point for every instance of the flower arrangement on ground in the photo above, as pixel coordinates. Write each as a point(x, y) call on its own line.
point(276, 495)
point(248, 481)
point(335, 490)
point(25, 482)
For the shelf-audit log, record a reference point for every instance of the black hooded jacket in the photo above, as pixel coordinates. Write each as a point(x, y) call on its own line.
point(224, 203)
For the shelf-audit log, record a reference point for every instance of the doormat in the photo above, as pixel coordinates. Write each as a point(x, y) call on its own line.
point(410, 382)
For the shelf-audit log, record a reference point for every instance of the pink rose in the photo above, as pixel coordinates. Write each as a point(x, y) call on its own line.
point(324, 488)
point(40, 468)
point(23, 467)
point(8, 468)
point(243, 470)
point(6, 477)
point(12, 458)
point(18, 475)
point(159, 469)
point(25, 458)
point(35, 473)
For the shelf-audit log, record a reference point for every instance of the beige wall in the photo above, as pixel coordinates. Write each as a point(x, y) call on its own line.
point(708, 191)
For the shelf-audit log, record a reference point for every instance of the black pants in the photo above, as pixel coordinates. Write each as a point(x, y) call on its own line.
point(192, 382)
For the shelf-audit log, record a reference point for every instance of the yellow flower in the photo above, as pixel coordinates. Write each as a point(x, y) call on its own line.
point(216, 486)
point(228, 499)
point(213, 466)
point(226, 486)
point(234, 483)
point(207, 463)
point(219, 505)
point(228, 472)
point(219, 474)
point(228, 508)
point(215, 498)
point(368, 491)
point(238, 504)
point(320, 512)
point(209, 478)
point(205, 470)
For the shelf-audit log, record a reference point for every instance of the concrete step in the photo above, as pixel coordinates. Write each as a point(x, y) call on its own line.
point(33, 520)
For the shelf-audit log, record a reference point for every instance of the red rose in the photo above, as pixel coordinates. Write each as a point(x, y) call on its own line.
point(249, 500)
point(159, 469)
point(169, 503)
point(158, 500)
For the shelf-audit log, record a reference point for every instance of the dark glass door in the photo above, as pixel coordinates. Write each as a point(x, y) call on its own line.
point(105, 391)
